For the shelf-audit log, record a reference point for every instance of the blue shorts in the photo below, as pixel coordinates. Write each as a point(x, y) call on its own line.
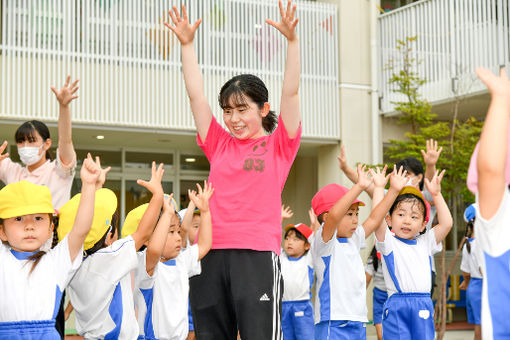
point(29, 330)
point(474, 301)
point(379, 298)
point(340, 330)
point(408, 316)
point(297, 320)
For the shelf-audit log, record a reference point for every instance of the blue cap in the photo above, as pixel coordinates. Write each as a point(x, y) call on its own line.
point(470, 213)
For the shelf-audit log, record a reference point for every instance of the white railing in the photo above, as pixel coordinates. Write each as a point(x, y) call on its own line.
point(453, 38)
point(129, 63)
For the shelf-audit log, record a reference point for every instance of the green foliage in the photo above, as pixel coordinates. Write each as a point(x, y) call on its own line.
point(416, 113)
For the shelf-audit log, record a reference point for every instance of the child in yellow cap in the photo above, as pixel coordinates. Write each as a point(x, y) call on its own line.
point(31, 280)
point(162, 278)
point(101, 290)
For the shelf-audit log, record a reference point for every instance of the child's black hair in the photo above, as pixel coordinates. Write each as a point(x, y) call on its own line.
point(26, 132)
point(102, 242)
point(235, 90)
point(413, 165)
point(320, 218)
point(375, 259)
point(410, 198)
point(469, 233)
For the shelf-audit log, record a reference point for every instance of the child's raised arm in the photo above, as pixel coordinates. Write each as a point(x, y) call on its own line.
point(187, 219)
point(493, 143)
point(381, 207)
point(201, 200)
point(185, 32)
point(289, 106)
point(151, 215)
point(430, 157)
point(157, 241)
point(444, 217)
point(337, 212)
point(350, 172)
point(286, 212)
point(398, 180)
point(83, 222)
point(65, 141)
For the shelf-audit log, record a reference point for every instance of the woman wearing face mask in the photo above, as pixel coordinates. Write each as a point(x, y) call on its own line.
point(33, 141)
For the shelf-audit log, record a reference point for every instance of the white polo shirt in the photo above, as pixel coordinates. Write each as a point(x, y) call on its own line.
point(297, 273)
point(341, 282)
point(407, 263)
point(34, 296)
point(162, 299)
point(102, 294)
point(493, 251)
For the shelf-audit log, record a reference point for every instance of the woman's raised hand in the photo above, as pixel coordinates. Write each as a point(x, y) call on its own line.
point(182, 29)
point(288, 24)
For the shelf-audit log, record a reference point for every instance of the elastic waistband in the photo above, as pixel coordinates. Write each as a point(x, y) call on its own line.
point(27, 325)
point(295, 302)
point(476, 279)
point(408, 295)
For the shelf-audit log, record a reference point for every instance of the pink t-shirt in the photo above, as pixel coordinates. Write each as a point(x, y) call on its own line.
point(53, 174)
point(248, 178)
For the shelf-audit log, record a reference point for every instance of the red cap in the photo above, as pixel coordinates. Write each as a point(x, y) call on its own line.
point(326, 198)
point(302, 228)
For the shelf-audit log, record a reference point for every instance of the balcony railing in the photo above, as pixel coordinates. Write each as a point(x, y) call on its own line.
point(129, 63)
point(453, 38)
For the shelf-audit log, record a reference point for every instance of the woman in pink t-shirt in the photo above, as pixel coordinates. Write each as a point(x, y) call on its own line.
point(33, 141)
point(240, 287)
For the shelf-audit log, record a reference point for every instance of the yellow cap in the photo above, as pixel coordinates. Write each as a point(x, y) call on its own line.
point(104, 208)
point(134, 217)
point(25, 198)
point(132, 220)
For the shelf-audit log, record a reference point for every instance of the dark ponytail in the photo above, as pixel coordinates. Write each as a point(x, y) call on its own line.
point(26, 132)
point(469, 233)
point(235, 90)
point(375, 259)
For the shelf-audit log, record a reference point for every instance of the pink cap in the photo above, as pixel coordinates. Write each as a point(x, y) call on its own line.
point(472, 175)
point(302, 228)
point(326, 198)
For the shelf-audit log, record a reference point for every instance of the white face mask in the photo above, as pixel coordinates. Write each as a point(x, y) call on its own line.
point(30, 154)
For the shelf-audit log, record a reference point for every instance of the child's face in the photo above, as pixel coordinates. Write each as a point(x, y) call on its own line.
point(349, 222)
point(193, 230)
point(26, 233)
point(294, 246)
point(173, 240)
point(244, 120)
point(407, 220)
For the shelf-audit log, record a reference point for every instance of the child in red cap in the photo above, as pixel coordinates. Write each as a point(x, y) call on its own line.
point(297, 273)
point(340, 304)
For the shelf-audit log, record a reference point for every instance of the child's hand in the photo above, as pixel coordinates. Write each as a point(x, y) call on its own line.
point(201, 199)
point(380, 177)
point(463, 285)
point(288, 24)
point(154, 185)
point(66, 94)
point(182, 28)
point(498, 86)
point(2, 149)
point(102, 175)
point(342, 159)
point(364, 179)
point(90, 172)
point(168, 205)
point(286, 212)
point(432, 155)
point(398, 179)
point(314, 222)
point(434, 186)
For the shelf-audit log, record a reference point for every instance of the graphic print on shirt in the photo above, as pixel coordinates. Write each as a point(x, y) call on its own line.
point(254, 162)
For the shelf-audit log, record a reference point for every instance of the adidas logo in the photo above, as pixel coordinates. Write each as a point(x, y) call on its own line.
point(264, 297)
